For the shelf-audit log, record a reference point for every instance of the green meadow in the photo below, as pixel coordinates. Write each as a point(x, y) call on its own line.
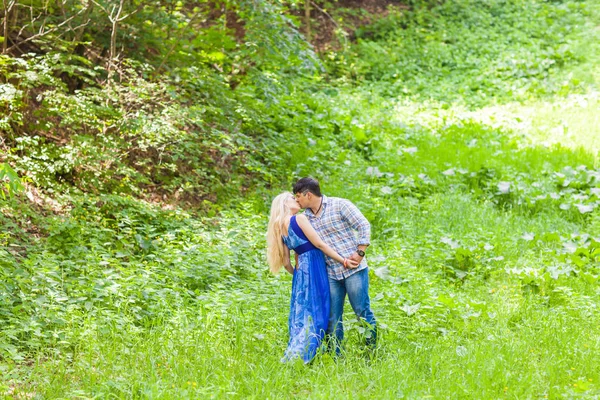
point(467, 132)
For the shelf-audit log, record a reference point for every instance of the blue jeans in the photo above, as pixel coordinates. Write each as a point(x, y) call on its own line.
point(357, 288)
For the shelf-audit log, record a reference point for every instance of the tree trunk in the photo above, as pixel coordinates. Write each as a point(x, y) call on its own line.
point(7, 6)
point(307, 18)
point(113, 39)
point(113, 45)
point(80, 30)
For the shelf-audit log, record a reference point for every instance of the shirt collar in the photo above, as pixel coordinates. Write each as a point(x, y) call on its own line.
point(309, 213)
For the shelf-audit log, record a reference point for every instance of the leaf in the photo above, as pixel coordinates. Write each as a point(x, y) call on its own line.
point(448, 301)
point(590, 278)
point(470, 314)
point(585, 208)
point(13, 184)
point(581, 386)
point(410, 150)
point(478, 305)
point(528, 236)
point(216, 56)
point(410, 310)
point(450, 242)
point(374, 171)
point(382, 272)
point(570, 247)
point(426, 179)
point(460, 274)
point(386, 190)
point(504, 187)
point(461, 351)
point(551, 237)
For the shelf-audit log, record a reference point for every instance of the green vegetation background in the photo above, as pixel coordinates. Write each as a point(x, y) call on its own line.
point(138, 178)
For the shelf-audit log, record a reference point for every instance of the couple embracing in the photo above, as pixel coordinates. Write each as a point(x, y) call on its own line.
point(329, 241)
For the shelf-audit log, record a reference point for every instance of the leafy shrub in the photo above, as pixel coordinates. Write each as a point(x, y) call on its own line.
point(465, 50)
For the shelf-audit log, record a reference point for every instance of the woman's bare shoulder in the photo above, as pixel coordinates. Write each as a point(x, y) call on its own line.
point(301, 217)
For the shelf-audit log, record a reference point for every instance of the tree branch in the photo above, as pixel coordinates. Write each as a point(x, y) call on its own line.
point(330, 17)
point(114, 16)
point(101, 6)
point(31, 23)
point(7, 6)
point(44, 33)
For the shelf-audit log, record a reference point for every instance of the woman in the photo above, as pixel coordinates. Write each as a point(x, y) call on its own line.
point(309, 305)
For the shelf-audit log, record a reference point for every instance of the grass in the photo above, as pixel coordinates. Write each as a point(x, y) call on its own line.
point(493, 334)
point(522, 348)
point(480, 292)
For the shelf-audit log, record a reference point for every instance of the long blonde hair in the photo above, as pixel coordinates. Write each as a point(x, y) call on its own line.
point(276, 254)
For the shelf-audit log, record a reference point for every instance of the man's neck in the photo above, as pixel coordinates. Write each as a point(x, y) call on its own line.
point(317, 205)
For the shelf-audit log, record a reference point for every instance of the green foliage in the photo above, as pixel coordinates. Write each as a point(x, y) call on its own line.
point(190, 114)
point(119, 139)
point(484, 259)
point(10, 179)
point(436, 51)
point(114, 258)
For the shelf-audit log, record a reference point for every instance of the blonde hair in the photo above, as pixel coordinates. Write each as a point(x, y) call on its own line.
point(276, 254)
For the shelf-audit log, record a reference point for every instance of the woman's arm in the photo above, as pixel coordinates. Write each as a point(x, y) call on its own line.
point(288, 266)
point(316, 240)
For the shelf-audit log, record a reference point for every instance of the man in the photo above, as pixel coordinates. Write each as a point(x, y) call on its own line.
point(337, 221)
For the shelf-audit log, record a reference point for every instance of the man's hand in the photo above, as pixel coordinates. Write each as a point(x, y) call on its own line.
point(351, 264)
point(355, 257)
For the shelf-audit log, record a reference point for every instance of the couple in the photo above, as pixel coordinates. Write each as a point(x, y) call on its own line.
point(329, 264)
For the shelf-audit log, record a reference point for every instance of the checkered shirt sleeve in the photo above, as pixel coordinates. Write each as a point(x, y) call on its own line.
point(343, 227)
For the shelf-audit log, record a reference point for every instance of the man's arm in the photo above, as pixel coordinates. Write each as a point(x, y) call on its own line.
point(358, 222)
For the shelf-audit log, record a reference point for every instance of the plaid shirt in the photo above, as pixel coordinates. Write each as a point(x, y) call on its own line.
point(342, 226)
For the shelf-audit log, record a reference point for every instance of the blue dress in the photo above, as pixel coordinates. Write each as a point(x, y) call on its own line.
point(310, 302)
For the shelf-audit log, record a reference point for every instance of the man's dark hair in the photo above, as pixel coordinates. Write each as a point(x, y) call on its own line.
point(308, 185)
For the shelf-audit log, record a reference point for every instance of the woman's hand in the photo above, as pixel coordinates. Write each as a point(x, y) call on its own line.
point(289, 268)
point(351, 264)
